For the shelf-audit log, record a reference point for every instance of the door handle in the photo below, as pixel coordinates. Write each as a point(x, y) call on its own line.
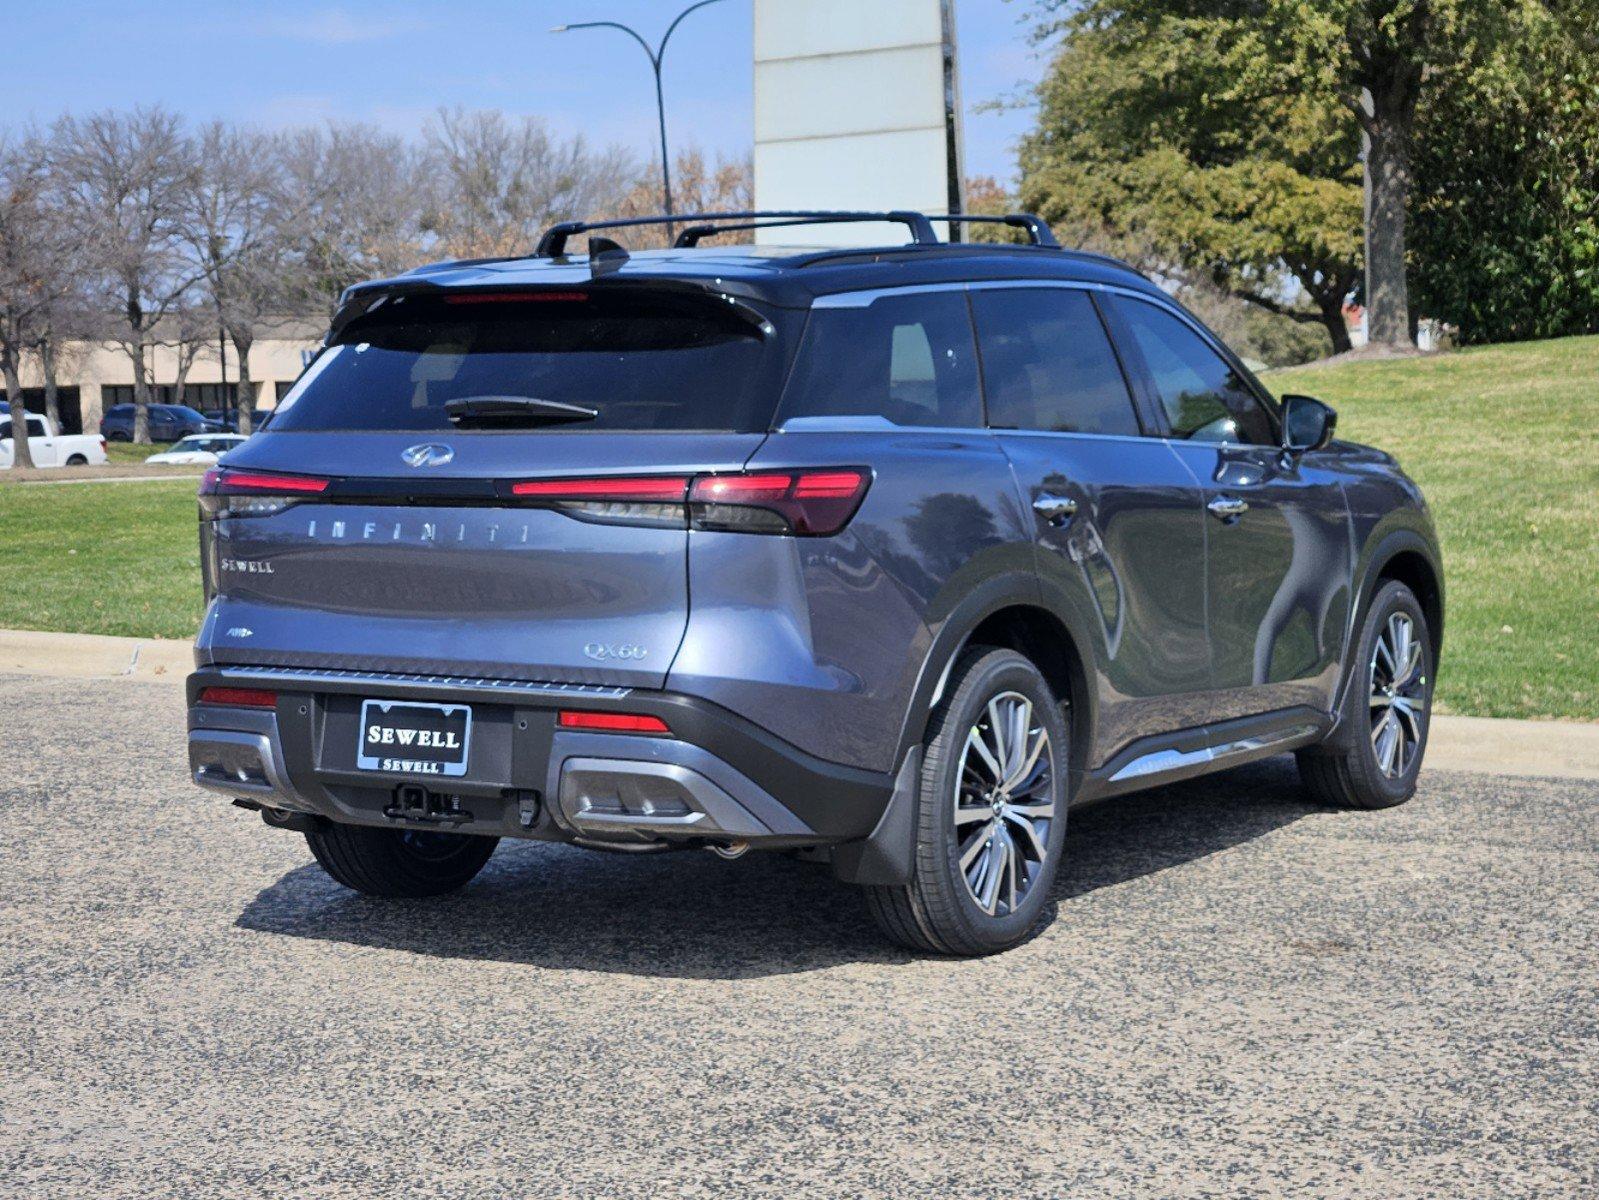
point(1227, 508)
point(1057, 510)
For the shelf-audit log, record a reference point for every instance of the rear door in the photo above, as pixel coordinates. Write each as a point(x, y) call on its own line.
point(519, 546)
point(1119, 529)
point(1280, 548)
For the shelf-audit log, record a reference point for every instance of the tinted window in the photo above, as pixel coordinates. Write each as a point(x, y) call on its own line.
point(908, 358)
point(1204, 398)
point(642, 362)
point(1048, 364)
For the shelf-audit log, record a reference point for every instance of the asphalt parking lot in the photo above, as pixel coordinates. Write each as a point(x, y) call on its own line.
point(1242, 994)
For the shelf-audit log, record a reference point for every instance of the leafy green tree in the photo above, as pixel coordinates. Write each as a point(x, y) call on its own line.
point(1505, 212)
point(1214, 69)
point(1225, 176)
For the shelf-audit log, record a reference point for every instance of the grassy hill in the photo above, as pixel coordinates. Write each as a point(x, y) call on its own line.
point(1505, 440)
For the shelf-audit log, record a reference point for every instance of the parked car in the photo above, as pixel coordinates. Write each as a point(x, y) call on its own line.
point(198, 449)
point(50, 448)
point(168, 423)
point(891, 554)
point(228, 418)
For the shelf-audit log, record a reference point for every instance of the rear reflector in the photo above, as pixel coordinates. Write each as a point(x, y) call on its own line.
point(239, 697)
point(612, 722)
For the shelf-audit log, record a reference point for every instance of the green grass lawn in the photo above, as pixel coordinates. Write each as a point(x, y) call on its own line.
point(1505, 441)
point(127, 452)
point(116, 558)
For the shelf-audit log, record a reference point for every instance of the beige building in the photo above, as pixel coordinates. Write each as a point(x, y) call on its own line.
point(92, 376)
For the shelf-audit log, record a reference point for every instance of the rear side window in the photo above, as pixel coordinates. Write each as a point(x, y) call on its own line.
point(908, 358)
point(1048, 363)
point(1204, 398)
point(640, 361)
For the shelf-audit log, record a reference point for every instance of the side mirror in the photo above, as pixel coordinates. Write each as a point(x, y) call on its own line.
point(1308, 424)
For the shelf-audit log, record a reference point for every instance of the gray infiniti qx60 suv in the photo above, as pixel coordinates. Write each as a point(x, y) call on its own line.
point(890, 554)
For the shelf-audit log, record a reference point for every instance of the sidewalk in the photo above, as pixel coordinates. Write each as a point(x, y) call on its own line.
point(1558, 749)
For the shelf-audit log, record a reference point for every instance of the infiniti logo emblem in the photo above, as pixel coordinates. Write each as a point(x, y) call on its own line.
point(428, 454)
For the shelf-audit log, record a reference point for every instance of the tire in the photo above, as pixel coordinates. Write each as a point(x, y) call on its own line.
point(942, 910)
point(77, 460)
point(1386, 716)
point(399, 862)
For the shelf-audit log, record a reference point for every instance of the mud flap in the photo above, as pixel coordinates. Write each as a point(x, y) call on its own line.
point(888, 855)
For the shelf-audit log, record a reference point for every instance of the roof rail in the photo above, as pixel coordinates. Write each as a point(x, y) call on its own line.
point(553, 243)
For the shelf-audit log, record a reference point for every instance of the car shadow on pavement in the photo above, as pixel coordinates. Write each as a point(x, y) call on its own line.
point(691, 915)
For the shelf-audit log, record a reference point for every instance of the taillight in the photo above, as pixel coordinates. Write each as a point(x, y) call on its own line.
point(638, 500)
point(228, 492)
point(611, 722)
point(807, 503)
point(239, 697)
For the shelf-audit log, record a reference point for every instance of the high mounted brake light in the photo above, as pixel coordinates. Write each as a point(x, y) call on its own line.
point(517, 298)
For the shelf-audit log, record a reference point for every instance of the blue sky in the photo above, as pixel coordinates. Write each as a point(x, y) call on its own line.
point(393, 63)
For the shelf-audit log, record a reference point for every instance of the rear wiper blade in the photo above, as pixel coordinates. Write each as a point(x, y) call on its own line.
point(514, 410)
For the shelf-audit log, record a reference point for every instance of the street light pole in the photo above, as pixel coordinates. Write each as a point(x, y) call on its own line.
point(655, 56)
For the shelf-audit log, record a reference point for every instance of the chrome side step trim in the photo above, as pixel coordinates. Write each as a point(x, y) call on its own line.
point(1160, 762)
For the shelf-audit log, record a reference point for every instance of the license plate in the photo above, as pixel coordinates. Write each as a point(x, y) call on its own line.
point(414, 739)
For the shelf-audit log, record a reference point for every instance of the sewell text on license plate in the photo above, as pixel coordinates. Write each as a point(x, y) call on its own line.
point(408, 738)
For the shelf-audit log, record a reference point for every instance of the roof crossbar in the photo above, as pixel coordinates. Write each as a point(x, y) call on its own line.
point(553, 243)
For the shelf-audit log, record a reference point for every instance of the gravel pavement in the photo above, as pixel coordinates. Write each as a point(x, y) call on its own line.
point(1241, 994)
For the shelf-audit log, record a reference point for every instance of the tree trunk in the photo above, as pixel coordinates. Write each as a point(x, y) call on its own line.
point(141, 397)
point(1388, 119)
point(242, 341)
point(181, 383)
point(20, 454)
point(1331, 309)
point(47, 363)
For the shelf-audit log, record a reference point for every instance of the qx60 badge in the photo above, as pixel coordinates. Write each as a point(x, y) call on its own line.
point(427, 454)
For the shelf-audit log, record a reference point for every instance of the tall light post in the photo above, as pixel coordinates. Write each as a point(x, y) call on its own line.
point(655, 57)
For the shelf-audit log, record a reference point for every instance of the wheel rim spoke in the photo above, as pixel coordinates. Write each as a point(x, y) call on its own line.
point(1004, 803)
point(1397, 700)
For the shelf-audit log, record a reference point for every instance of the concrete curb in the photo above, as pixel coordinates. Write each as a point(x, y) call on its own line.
point(92, 656)
point(1554, 749)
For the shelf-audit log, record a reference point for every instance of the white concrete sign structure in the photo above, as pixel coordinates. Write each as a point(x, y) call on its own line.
point(857, 106)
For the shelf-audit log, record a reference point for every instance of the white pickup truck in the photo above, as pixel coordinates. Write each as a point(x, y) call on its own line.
point(49, 448)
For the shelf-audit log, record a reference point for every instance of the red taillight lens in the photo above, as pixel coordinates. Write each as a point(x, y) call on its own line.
point(807, 503)
point(225, 492)
point(612, 722)
point(665, 490)
point(219, 481)
point(239, 697)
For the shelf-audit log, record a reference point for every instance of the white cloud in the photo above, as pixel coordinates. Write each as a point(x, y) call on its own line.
point(336, 27)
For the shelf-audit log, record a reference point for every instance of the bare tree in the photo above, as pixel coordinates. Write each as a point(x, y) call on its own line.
point(234, 224)
point(187, 333)
point(698, 185)
point(125, 176)
point(495, 182)
point(349, 209)
point(39, 262)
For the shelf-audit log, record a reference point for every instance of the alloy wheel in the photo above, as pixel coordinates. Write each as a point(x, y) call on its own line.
point(1004, 803)
point(1398, 695)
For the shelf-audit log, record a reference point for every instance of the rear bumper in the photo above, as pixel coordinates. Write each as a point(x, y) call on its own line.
point(717, 778)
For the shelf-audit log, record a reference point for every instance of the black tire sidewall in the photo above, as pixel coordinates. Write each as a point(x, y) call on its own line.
point(985, 676)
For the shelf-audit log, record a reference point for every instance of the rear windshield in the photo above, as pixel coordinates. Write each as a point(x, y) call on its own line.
point(642, 362)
